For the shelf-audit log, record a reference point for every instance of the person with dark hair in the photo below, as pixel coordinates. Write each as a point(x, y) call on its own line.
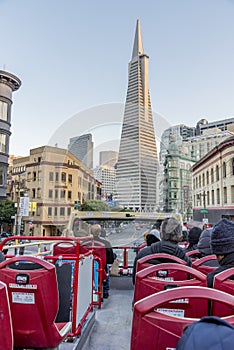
point(222, 245)
point(204, 243)
point(171, 231)
point(210, 333)
point(193, 238)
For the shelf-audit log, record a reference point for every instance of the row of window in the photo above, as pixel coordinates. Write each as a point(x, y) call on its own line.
point(213, 197)
point(60, 212)
point(214, 174)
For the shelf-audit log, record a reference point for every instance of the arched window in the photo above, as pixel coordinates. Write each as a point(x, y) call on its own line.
point(217, 172)
point(207, 177)
point(224, 169)
point(212, 175)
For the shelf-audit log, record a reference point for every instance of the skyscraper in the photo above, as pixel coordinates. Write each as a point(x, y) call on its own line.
point(82, 148)
point(137, 163)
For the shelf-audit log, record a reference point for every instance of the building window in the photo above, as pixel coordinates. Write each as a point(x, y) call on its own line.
point(69, 194)
point(49, 211)
point(225, 195)
point(207, 177)
point(224, 169)
point(51, 176)
point(199, 181)
point(34, 193)
point(203, 179)
point(212, 175)
point(232, 193)
point(62, 194)
point(34, 176)
point(70, 178)
point(38, 192)
point(68, 211)
point(62, 211)
point(212, 197)
point(208, 198)
point(218, 196)
point(2, 176)
point(56, 176)
point(63, 177)
point(232, 166)
point(3, 110)
point(217, 173)
point(56, 194)
point(55, 211)
point(3, 143)
point(50, 193)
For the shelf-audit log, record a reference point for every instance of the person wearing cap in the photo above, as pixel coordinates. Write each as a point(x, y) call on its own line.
point(210, 333)
point(171, 232)
point(222, 245)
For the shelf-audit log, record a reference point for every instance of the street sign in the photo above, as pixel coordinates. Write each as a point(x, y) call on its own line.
point(204, 211)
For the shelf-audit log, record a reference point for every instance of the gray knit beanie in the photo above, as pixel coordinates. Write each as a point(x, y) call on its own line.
point(171, 230)
point(204, 242)
point(222, 237)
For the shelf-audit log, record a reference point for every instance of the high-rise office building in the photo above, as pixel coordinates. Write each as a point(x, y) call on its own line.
point(8, 84)
point(109, 158)
point(137, 163)
point(82, 148)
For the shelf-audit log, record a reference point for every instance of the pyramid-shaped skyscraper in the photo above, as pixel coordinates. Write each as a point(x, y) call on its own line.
point(138, 160)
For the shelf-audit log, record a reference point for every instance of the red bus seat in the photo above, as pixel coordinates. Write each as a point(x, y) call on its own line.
point(98, 249)
point(206, 264)
point(154, 259)
point(194, 254)
point(223, 281)
point(64, 248)
point(159, 277)
point(158, 324)
point(142, 245)
point(6, 333)
point(34, 301)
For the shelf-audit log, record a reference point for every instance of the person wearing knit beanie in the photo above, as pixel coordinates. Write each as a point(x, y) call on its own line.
point(222, 245)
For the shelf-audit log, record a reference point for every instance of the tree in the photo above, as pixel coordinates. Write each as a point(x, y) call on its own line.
point(7, 210)
point(95, 205)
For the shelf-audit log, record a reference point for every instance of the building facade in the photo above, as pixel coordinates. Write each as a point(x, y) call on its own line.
point(8, 84)
point(53, 179)
point(106, 175)
point(138, 161)
point(82, 148)
point(213, 184)
point(177, 194)
point(108, 158)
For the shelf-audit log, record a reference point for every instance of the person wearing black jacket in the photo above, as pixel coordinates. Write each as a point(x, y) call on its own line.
point(96, 232)
point(171, 232)
point(222, 245)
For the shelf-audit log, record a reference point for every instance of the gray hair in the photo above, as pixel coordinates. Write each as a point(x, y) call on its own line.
point(96, 230)
point(171, 230)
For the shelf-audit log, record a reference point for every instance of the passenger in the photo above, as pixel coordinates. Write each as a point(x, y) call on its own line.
point(210, 333)
point(171, 232)
point(96, 232)
point(204, 243)
point(152, 237)
point(193, 238)
point(222, 245)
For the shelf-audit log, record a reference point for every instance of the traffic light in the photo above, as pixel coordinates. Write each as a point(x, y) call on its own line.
point(22, 227)
point(77, 205)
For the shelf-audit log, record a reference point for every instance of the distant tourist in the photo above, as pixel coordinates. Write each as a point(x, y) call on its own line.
point(193, 238)
point(96, 231)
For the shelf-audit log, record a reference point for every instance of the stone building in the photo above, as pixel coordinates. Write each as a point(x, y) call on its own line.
point(53, 179)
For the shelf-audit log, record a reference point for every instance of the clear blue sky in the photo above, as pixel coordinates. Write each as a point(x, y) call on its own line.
point(72, 55)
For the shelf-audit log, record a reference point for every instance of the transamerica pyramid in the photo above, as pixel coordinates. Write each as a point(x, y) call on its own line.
point(137, 163)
